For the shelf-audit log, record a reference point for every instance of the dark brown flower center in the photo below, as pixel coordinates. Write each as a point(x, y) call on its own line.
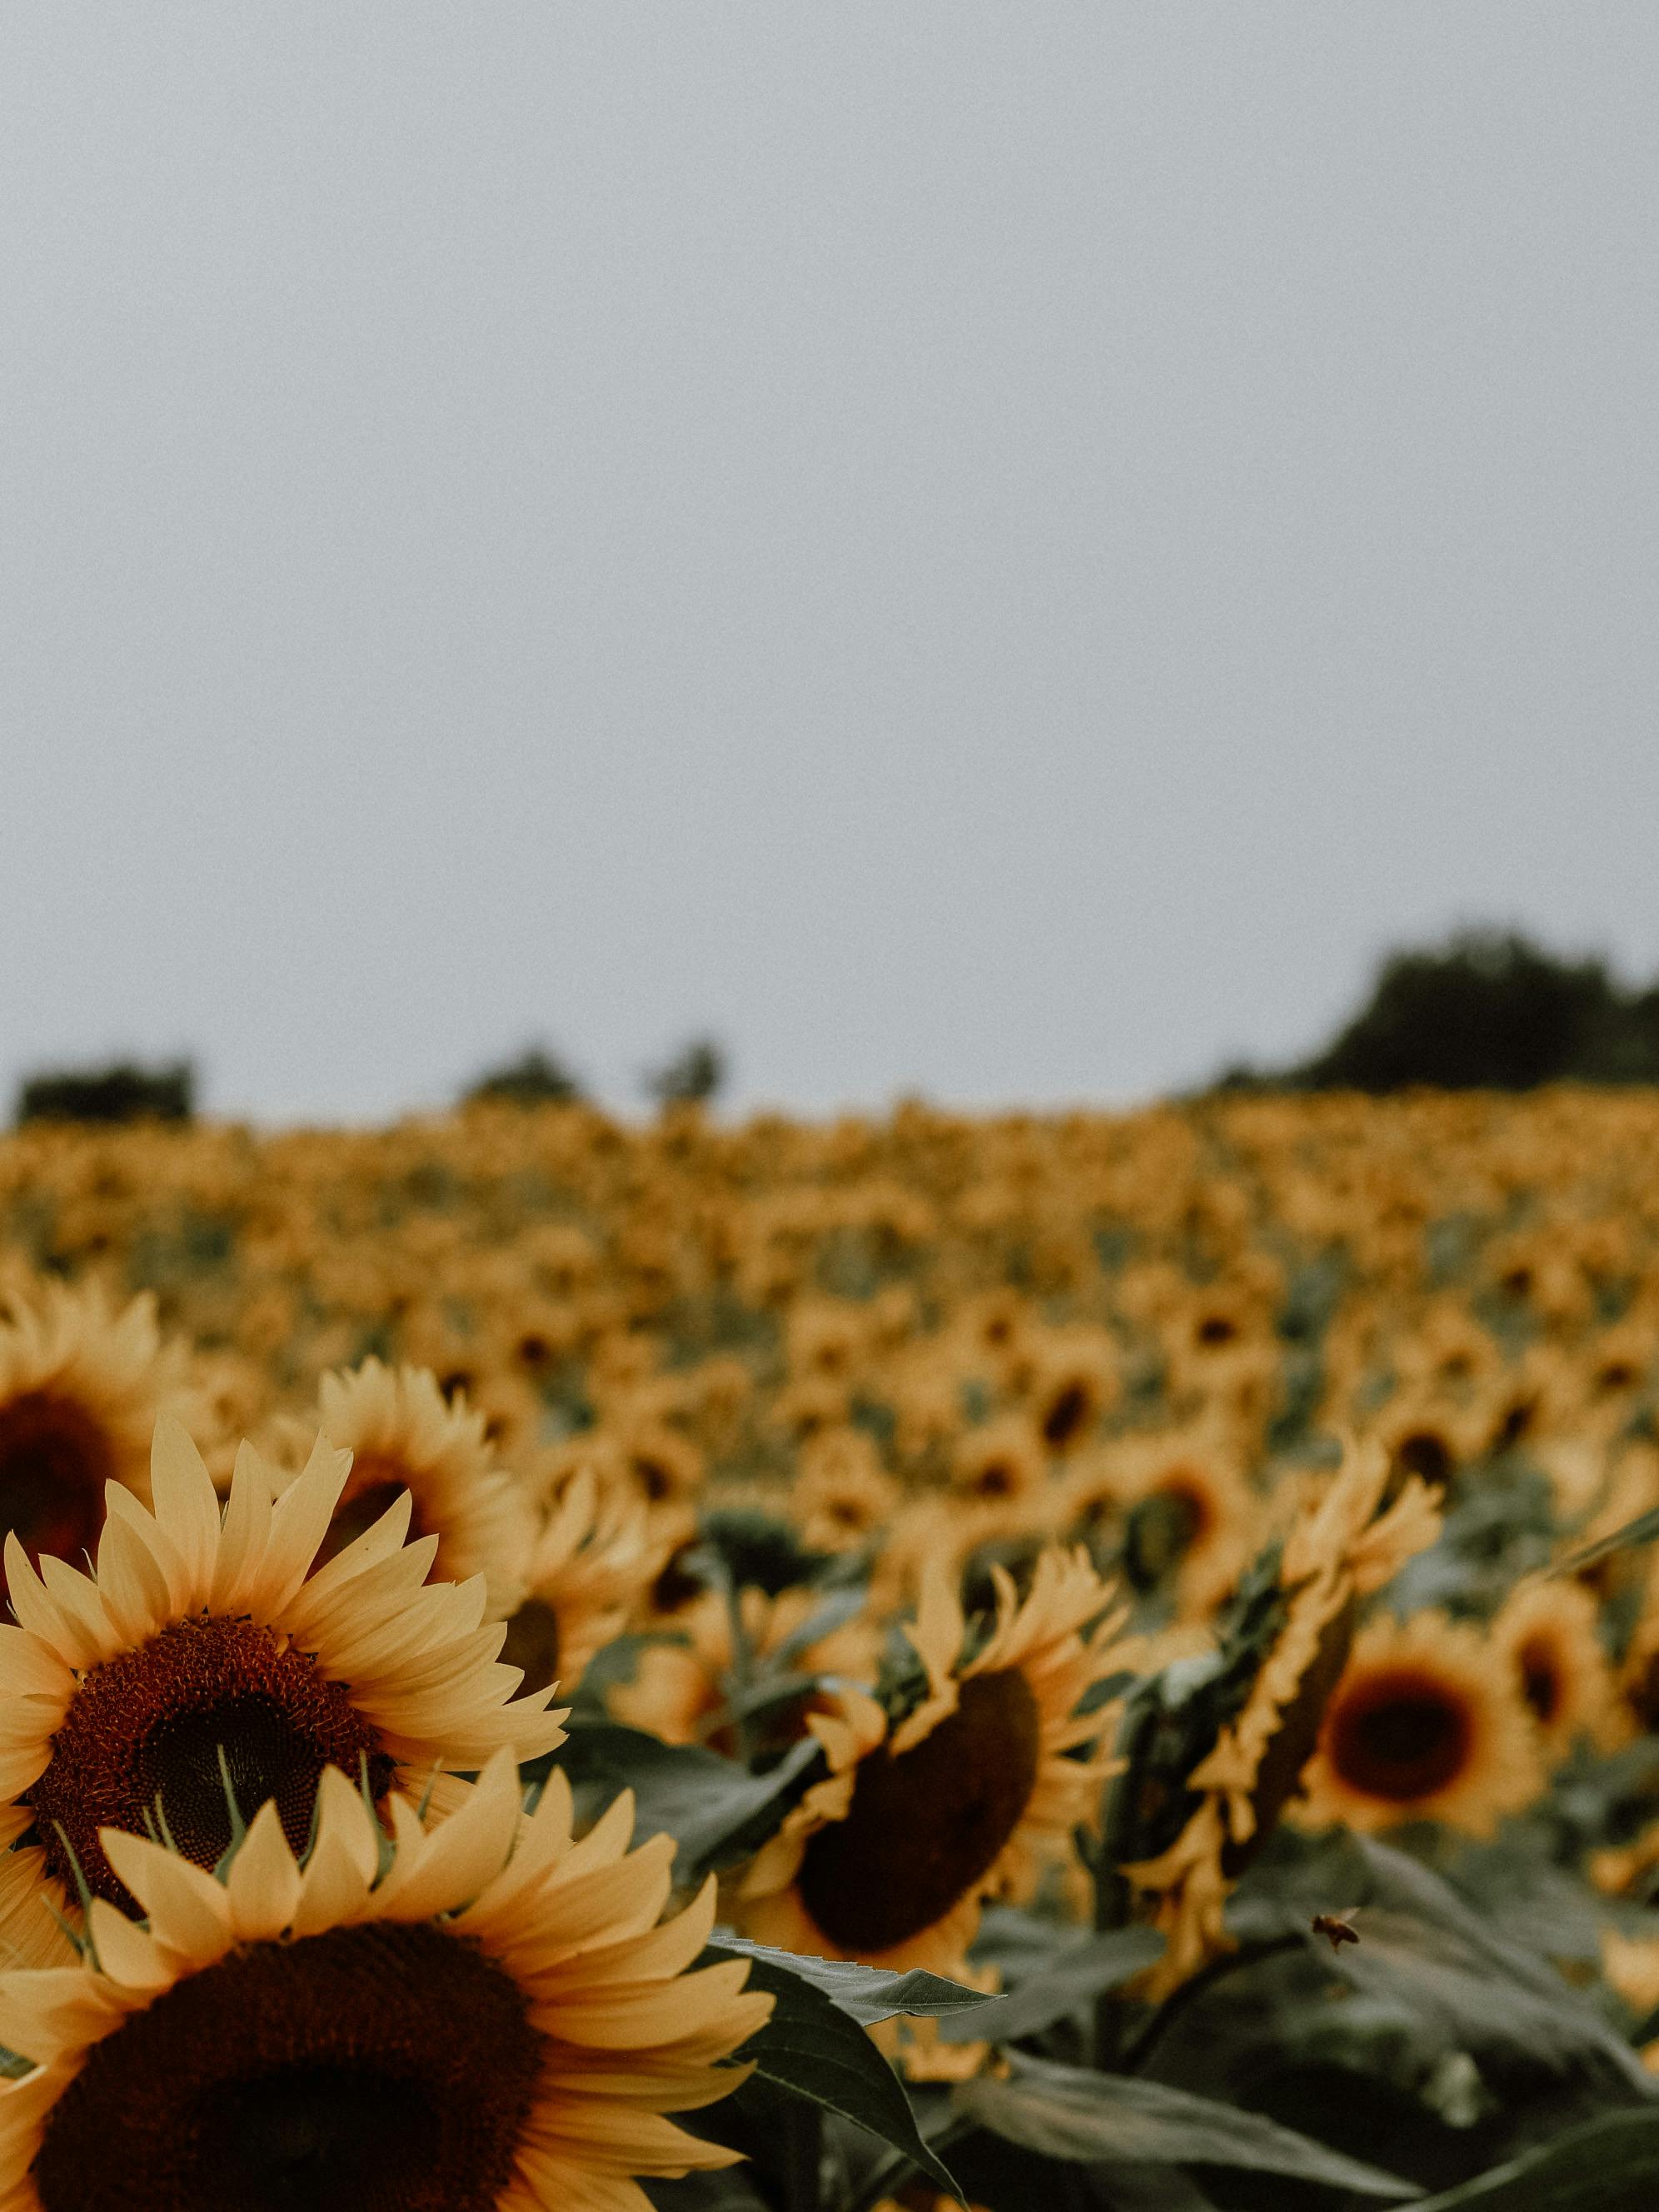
point(372, 1488)
point(1067, 1413)
point(1400, 1736)
point(150, 1724)
point(54, 1461)
point(1425, 1452)
point(533, 1643)
point(1541, 1677)
point(383, 2068)
point(925, 1827)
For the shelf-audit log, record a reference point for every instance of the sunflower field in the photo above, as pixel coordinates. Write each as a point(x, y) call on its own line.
point(1081, 1661)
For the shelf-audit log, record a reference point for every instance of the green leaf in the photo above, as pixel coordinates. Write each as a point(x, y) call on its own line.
point(1078, 1972)
point(1419, 1939)
point(1120, 2119)
point(865, 1994)
point(1610, 2165)
point(812, 2047)
point(717, 1811)
point(837, 1610)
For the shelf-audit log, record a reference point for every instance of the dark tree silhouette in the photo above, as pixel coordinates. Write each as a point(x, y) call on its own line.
point(537, 1078)
point(694, 1073)
point(121, 1092)
point(1488, 1010)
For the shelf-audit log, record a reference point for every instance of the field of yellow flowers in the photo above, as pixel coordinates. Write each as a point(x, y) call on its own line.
point(1090, 1661)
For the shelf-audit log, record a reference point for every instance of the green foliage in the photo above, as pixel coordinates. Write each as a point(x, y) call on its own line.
point(1488, 1010)
point(123, 1091)
point(537, 1078)
point(695, 1075)
point(1116, 2119)
point(1610, 2165)
point(814, 2047)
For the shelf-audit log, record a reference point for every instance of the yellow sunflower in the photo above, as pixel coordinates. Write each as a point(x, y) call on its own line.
point(842, 1495)
point(404, 1434)
point(1341, 1548)
point(1002, 1462)
point(1190, 1512)
point(590, 1567)
point(1427, 1723)
point(204, 1648)
point(81, 1387)
point(487, 2017)
point(888, 1859)
point(1548, 1633)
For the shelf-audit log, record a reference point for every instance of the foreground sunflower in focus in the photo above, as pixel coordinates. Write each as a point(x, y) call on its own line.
point(921, 1818)
point(204, 1649)
point(487, 2017)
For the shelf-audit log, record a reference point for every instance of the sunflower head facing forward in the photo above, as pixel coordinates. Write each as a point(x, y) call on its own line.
point(204, 1667)
point(404, 1435)
point(1427, 1723)
point(482, 2016)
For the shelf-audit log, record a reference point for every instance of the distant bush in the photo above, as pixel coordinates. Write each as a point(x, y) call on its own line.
point(536, 1077)
point(122, 1092)
point(693, 1074)
point(1487, 1011)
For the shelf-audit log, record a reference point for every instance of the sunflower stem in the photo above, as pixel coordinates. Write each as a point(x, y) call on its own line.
point(803, 2155)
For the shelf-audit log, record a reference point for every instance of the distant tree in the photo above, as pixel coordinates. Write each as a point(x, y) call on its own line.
point(1488, 1010)
point(537, 1078)
point(693, 1074)
point(121, 1092)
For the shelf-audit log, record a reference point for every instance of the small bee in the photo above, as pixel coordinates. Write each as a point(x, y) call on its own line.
point(1337, 1927)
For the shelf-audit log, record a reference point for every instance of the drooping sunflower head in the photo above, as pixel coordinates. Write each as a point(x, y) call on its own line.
point(80, 1389)
point(404, 1434)
point(967, 1796)
point(351, 2027)
point(1283, 1645)
point(203, 1659)
point(1427, 1723)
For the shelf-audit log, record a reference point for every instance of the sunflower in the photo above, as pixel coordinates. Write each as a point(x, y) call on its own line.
point(204, 1647)
point(888, 1859)
point(1427, 1723)
point(842, 1495)
point(80, 1387)
point(486, 2017)
point(404, 1434)
point(1339, 1549)
point(1073, 1379)
point(1548, 1633)
point(1001, 1462)
point(589, 1568)
point(1191, 1516)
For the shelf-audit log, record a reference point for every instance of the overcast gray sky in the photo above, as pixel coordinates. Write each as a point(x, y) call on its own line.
point(1004, 551)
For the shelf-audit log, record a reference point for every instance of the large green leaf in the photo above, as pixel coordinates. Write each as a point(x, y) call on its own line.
point(1077, 1973)
point(1610, 2165)
point(1120, 2119)
point(716, 1810)
point(812, 2047)
point(1421, 1940)
point(865, 1994)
